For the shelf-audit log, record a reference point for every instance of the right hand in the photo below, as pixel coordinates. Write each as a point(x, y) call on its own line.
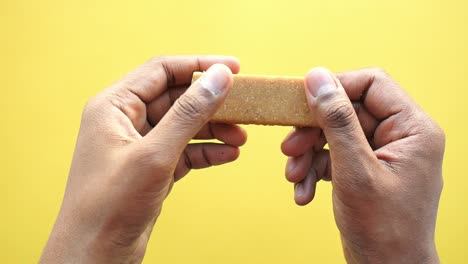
point(134, 143)
point(385, 164)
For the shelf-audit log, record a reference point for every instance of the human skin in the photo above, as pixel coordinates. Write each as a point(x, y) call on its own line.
point(384, 161)
point(132, 146)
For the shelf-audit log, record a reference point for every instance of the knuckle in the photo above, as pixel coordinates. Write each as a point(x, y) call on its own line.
point(161, 62)
point(380, 75)
point(91, 102)
point(431, 138)
point(158, 58)
point(339, 114)
point(127, 102)
point(117, 99)
point(438, 135)
point(379, 72)
point(189, 107)
point(91, 106)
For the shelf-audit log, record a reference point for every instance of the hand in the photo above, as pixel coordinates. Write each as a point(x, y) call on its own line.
point(385, 164)
point(132, 146)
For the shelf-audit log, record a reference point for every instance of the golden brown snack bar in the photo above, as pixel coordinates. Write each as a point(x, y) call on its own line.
point(265, 100)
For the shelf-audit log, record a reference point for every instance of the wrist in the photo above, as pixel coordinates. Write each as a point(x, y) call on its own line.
point(71, 242)
point(60, 248)
point(396, 252)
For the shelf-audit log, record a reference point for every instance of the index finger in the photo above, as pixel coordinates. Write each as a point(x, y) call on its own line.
point(380, 94)
point(151, 79)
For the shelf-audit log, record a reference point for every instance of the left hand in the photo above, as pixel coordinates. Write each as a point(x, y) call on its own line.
point(132, 146)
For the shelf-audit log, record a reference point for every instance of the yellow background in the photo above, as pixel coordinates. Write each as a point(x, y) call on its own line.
point(55, 54)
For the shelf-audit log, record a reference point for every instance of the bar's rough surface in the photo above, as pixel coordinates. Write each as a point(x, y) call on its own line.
point(265, 100)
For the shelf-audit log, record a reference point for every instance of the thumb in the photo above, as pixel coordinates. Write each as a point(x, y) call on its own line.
point(336, 116)
point(190, 112)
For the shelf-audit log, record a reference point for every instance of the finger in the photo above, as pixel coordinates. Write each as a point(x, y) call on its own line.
point(227, 133)
point(304, 191)
point(380, 94)
point(322, 165)
point(319, 170)
point(132, 93)
point(291, 146)
point(384, 99)
point(298, 167)
point(157, 108)
point(230, 134)
point(178, 70)
point(151, 79)
point(190, 112)
point(336, 116)
point(204, 155)
point(367, 121)
point(300, 140)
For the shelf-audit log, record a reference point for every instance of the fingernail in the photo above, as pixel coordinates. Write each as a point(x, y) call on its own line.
point(291, 165)
point(299, 189)
point(216, 79)
point(319, 81)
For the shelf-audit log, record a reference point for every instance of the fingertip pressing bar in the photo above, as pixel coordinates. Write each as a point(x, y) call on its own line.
point(265, 100)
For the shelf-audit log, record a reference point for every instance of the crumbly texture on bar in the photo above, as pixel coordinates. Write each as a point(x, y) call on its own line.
point(265, 100)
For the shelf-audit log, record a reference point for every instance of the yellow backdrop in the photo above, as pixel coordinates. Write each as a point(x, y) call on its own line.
point(55, 54)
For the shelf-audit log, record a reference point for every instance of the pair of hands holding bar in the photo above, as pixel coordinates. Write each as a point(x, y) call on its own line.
point(384, 160)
